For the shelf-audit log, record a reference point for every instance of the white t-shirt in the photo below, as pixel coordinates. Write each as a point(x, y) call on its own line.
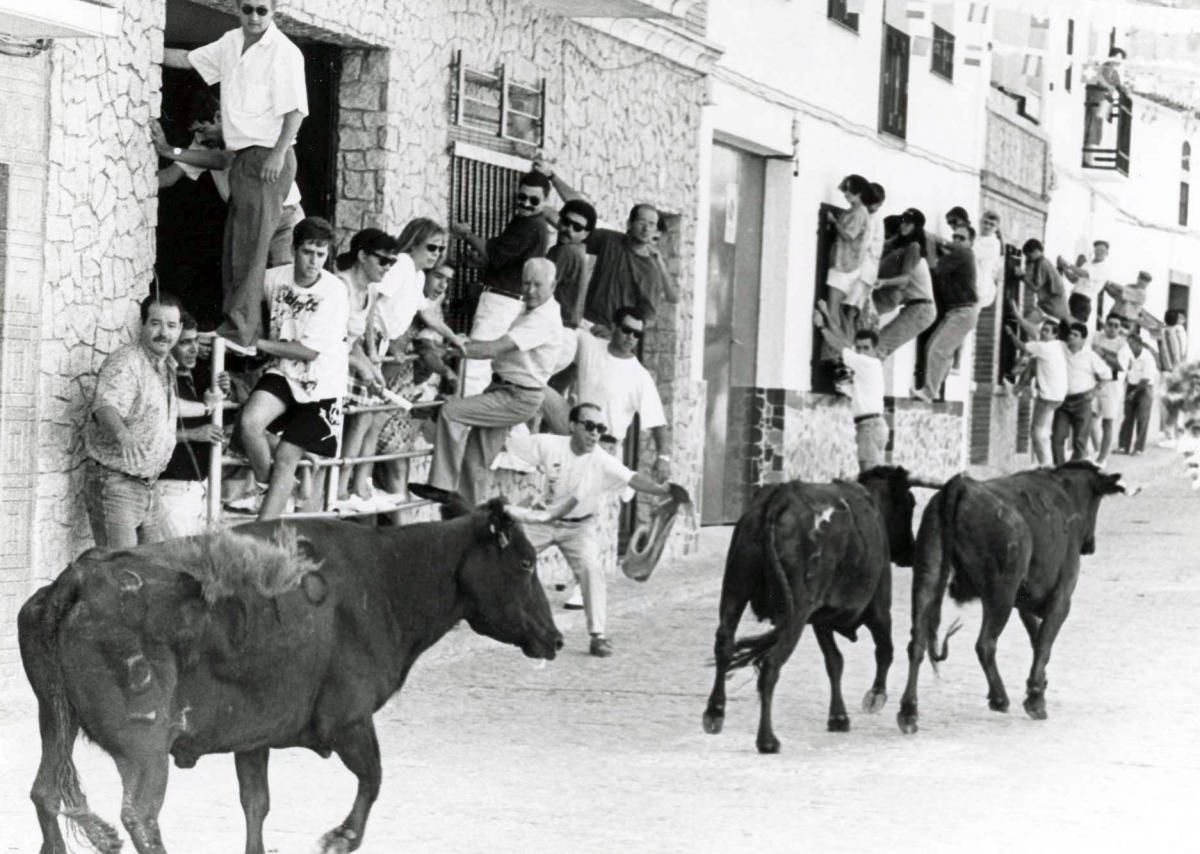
point(1103, 344)
point(1142, 367)
point(316, 317)
point(1098, 273)
point(1051, 368)
point(988, 263)
point(538, 336)
point(586, 477)
point(866, 392)
point(401, 294)
point(258, 87)
point(621, 388)
point(1085, 369)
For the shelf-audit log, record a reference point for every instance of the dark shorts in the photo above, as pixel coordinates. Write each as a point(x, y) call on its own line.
point(316, 427)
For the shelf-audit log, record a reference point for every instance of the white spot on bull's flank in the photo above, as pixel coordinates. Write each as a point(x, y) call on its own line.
point(149, 717)
point(821, 518)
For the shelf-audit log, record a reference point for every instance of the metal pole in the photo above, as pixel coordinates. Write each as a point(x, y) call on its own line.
point(218, 420)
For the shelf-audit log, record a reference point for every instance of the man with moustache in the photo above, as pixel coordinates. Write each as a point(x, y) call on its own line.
point(502, 259)
point(130, 432)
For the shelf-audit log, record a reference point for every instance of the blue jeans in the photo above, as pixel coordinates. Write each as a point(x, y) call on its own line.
point(122, 509)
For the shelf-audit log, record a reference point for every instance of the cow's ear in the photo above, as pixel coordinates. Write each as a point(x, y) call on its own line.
point(453, 504)
point(1110, 485)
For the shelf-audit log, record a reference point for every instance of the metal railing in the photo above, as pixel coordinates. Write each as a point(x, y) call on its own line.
point(329, 467)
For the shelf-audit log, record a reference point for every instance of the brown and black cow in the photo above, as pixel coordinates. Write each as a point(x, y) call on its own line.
point(276, 635)
point(818, 553)
point(1011, 541)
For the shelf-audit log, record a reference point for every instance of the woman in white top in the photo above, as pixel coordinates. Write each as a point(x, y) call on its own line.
point(372, 252)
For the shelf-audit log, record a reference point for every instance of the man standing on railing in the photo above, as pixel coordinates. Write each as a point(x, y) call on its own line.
point(180, 488)
point(264, 99)
point(471, 430)
point(579, 478)
point(503, 260)
point(299, 397)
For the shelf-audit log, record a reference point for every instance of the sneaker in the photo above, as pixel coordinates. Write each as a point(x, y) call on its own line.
point(251, 503)
point(575, 600)
point(600, 647)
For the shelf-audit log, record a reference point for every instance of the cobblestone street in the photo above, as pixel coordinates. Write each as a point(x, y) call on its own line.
point(484, 752)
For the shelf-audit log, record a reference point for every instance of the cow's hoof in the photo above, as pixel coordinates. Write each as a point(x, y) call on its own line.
point(838, 723)
point(1035, 707)
point(768, 744)
point(908, 723)
point(713, 723)
point(340, 840)
point(874, 701)
point(998, 704)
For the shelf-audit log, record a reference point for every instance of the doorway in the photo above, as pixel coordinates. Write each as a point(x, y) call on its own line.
point(731, 327)
point(191, 211)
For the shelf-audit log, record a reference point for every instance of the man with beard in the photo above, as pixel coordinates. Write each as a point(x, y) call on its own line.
point(130, 431)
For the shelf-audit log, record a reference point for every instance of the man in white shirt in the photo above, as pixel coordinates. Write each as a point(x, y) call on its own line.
point(1088, 280)
point(1050, 365)
point(471, 430)
point(989, 259)
point(1085, 368)
point(299, 396)
point(1110, 393)
point(579, 476)
point(1139, 396)
point(263, 102)
point(866, 388)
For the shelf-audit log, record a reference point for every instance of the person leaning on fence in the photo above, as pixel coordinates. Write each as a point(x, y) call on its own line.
point(471, 430)
point(264, 99)
point(130, 431)
point(502, 259)
point(299, 396)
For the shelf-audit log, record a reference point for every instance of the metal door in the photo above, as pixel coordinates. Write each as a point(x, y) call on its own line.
point(731, 328)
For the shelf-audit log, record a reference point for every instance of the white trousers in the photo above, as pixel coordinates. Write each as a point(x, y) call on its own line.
point(494, 316)
point(579, 543)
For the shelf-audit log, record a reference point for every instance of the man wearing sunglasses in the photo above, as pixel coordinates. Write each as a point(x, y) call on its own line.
point(263, 102)
point(576, 221)
point(629, 268)
point(580, 476)
point(502, 259)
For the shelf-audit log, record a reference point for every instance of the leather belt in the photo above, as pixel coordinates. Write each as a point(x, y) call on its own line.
point(859, 419)
point(499, 380)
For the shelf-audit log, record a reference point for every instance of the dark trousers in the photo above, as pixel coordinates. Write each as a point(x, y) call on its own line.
point(1139, 400)
point(255, 208)
point(1074, 418)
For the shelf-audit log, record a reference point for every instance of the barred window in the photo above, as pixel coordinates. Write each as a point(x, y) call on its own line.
point(893, 83)
point(837, 11)
point(943, 53)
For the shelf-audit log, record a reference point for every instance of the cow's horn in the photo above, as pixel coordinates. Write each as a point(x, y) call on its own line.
point(925, 482)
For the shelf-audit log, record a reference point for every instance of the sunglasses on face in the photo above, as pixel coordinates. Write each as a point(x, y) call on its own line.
point(435, 247)
point(629, 330)
point(384, 260)
point(959, 238)
point(593, 427)
point(574, 226)
point(524, 198)
point(261, 11)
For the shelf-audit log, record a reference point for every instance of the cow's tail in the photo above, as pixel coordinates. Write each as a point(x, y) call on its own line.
point(39, 624)
point(753, 649)
point(946, 519)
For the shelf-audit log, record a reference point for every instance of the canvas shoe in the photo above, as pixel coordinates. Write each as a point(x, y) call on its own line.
point(600, 647)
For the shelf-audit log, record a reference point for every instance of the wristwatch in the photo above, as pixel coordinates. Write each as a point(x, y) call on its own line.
point(175, 152)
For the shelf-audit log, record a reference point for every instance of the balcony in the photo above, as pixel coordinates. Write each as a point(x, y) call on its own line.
point(1107, 130)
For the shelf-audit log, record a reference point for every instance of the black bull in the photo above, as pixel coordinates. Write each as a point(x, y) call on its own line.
point(813, 553)
point(1013, 542)
point(150, 662)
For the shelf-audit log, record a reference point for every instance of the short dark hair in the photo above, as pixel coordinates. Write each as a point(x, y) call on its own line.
point(628, 311)
point(1032, 245)
point(1171, 317)
point(959, 213)
point(573, 415)
point(1076, 326)
point(856, 184)
point(878, 193)
point(369, 240)
point(633, 211)
point(312, 229)
point(583, 209)
point(164, 298)
point(186, 322)
point(867, 335)
point(535, 179)
point(1103, 243)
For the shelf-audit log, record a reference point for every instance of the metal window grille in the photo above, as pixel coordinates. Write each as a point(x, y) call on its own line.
point(837, 11)
point(942, 62)
point(893, 83)
point(481, 195)
point(1185, 157)
point(495, 104)
point(1183, 203)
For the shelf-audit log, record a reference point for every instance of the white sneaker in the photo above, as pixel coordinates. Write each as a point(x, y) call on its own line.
point(575, 600)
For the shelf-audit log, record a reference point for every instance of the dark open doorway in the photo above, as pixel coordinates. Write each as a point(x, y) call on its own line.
point(192, 211)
